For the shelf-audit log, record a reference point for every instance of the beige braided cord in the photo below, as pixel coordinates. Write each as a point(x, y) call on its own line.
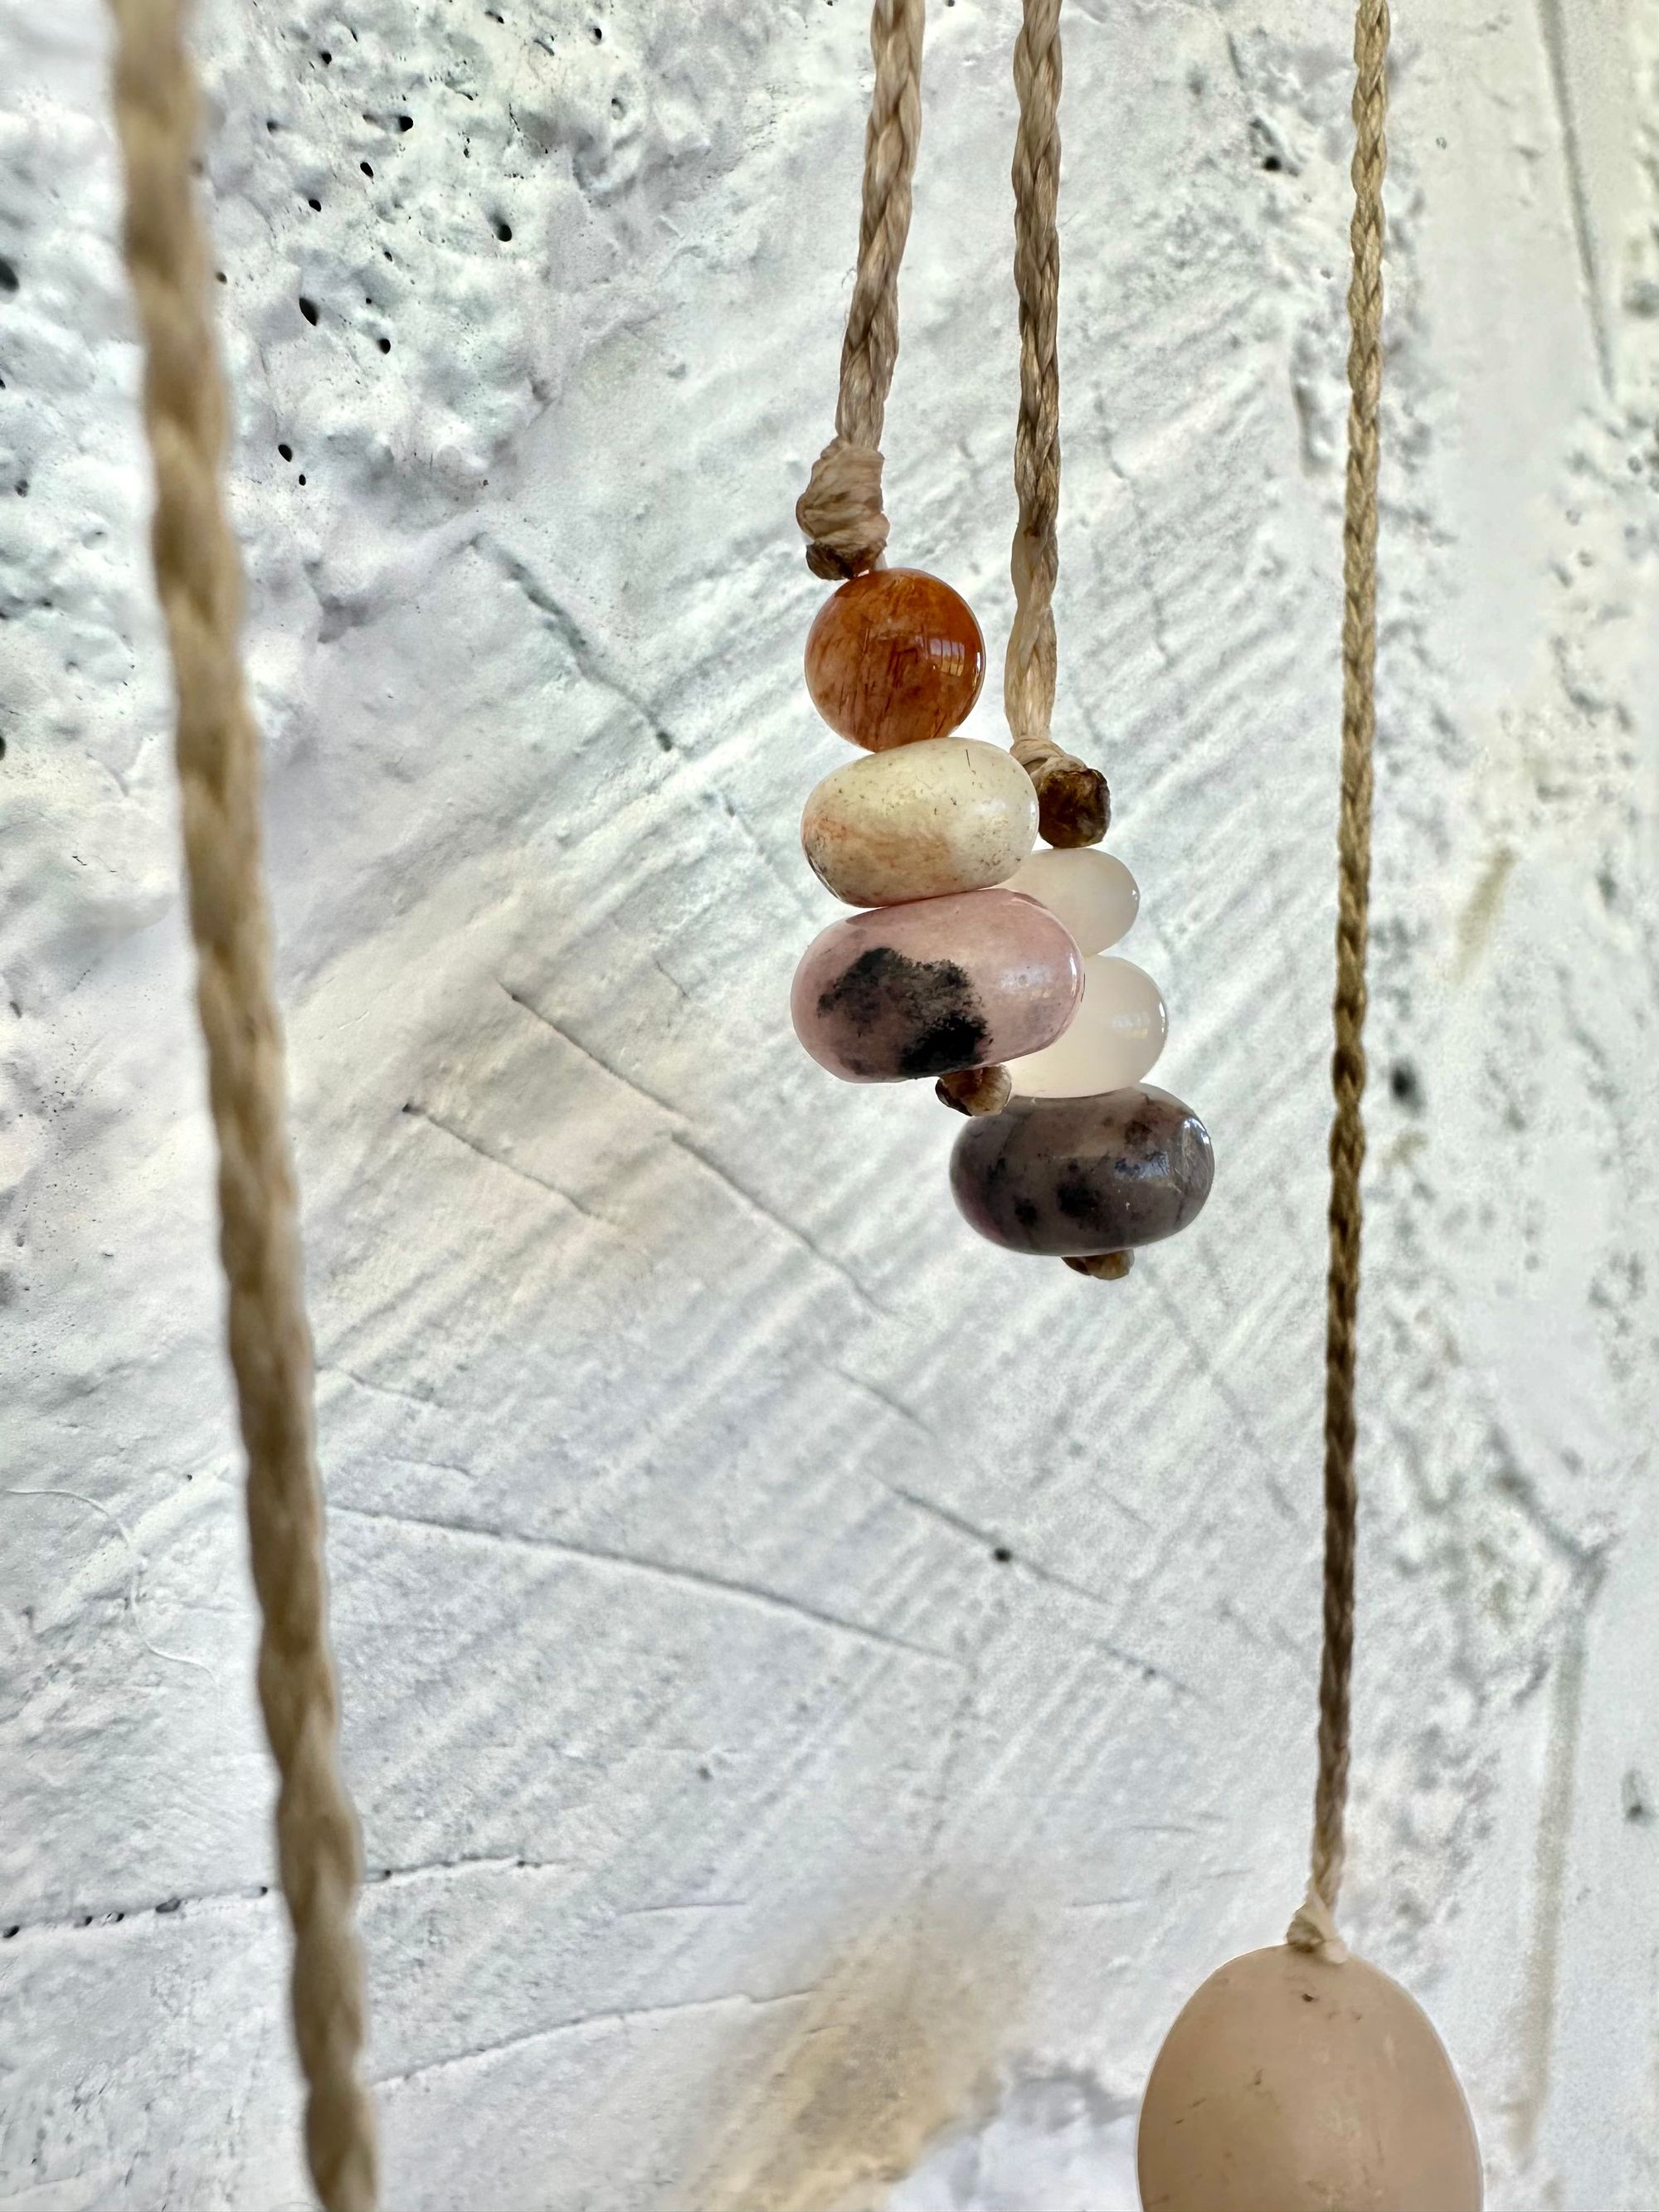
point(840, 511)
point(198, 583)
point(1313, 1928)
point(1072, 799)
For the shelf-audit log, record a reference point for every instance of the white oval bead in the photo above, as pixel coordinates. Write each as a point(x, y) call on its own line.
point(1090, 891)
point(923, 821)
point(1114, 1039)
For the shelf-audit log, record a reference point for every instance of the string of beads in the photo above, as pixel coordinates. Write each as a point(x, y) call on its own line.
point(979, 961)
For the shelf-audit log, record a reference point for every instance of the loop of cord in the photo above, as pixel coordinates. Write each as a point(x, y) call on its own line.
point(1313, 1926)
point(1074, 805)
point(841, 510)
point(198, 583)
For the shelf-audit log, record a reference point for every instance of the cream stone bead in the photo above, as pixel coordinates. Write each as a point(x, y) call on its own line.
point(1114, 1039)
point(922, 821)
point(1091, 892)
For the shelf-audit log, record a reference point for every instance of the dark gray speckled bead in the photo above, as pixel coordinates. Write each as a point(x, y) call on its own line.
point(1072, 1176)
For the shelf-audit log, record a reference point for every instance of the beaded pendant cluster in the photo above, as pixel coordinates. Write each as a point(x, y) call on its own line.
point(982, 959)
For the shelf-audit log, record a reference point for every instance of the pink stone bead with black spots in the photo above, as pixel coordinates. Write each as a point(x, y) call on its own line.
point(935, 986)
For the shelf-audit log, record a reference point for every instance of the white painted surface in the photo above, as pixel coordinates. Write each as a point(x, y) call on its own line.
point(751, 1835)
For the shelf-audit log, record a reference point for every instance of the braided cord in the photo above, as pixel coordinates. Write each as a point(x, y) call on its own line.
point(198, 582)
point(1073, 804)
point(841, 510)
point(1314, 1927)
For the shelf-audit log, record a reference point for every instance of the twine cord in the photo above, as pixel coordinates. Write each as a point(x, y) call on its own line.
point(1074, 805)
point(841, 510)
point(1313, 1928)
point(198, 583)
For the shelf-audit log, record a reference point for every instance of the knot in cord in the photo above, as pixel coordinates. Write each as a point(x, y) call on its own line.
point(840, 512)
point(1313, 1929)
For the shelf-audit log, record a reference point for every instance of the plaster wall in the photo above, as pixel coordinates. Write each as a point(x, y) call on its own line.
point(819, 1692)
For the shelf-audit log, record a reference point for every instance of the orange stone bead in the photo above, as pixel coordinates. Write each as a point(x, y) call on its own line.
point(893, 656)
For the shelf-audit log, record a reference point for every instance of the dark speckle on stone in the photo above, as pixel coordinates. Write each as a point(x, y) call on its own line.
point(921, 1016)
point(1073, 1196)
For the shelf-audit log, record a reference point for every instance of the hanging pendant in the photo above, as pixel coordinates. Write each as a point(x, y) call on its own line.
point(1290, 2082)
point(978, 961)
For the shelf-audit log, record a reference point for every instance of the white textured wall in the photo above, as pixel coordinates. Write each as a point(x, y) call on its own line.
point(747, 1832)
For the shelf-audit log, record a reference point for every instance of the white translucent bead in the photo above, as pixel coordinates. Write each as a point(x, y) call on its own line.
point(1114, 1039)
point(1090, 891)
point(921, 821)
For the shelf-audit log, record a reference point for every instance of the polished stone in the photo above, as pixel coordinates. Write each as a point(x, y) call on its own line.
point(920, 822)
point(1072, 1177)
point(893, 657)
point(1115, 1039)
point(935, 986)
point(1091, 892)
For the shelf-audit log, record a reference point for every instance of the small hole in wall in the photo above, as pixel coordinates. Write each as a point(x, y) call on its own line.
point(272, 125)
point(316, 206)
point(503, 230)
point(1272, 164)
point(3, 755)
point(308, 308)
point(1001, 1554)
point(302, 477)
point(1406, 1086)
point(22, 487)
point(384, 344)
point(596, 32)
point(220, 275)
point(364, 166)
point(406, 122)
point(324, 56)
point(286, 452)
point(7, 276)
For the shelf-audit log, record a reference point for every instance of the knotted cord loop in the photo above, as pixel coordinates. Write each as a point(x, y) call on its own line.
point(1314, 1927)
point(841, 510)
point(1073, 804)
point(198, 582)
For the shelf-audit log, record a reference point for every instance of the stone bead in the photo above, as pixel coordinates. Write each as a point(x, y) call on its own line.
point(920, 821)
point(1072, 1176)
point(1115, 1039)
point(935, 986)
point(893, 656)
point(1297, 2083)
point(1091, 892)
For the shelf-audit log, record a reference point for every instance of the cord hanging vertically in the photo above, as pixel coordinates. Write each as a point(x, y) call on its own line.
point(1313, 1928)
point(841, 510)
point(1075, 804)
point(198, 583)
